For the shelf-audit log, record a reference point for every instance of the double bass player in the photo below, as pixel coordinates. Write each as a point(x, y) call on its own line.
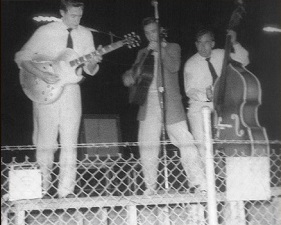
point(198, 78)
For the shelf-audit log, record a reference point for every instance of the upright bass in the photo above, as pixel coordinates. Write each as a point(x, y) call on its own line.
point(237, 97)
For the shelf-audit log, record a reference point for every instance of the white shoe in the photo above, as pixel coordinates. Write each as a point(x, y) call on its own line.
point(197, 189)
point(149, 192)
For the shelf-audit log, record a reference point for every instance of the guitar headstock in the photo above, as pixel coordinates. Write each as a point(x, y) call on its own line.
point(237, 14)
point(132, 40)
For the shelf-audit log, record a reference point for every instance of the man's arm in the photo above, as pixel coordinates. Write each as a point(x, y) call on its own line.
point(128, 76)
point(24, 57)
point(91, 67)
point(31, 47)
point(240, 54)
point(49, 78)
point(193, 89)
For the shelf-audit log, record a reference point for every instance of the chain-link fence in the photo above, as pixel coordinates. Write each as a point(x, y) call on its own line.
point(111, 190)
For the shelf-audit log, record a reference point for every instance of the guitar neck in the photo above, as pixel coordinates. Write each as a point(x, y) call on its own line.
point(109, 48)
point(227, 51)
point(234, 20)
point(106, 49)
point(226, 59)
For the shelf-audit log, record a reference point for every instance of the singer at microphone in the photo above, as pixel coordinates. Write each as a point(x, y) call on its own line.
point(146, 90)
point(153, 45)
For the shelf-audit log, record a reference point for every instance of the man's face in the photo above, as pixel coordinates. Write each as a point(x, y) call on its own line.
point(150, 31)
point(204, 45)
point(72, 16)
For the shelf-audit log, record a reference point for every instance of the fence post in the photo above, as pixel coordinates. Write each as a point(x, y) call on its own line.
point(210, 172)
point(132, 217)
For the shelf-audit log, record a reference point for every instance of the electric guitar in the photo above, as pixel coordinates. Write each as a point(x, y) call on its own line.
point(66, 66)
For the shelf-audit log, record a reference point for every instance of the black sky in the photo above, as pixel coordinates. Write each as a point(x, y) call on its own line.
point(104, 93)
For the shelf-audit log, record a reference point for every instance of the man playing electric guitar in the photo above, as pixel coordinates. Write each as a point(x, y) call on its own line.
point(63, 115)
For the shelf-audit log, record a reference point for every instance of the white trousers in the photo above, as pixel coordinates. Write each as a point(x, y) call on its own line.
point(59, 119)
point(195, 119)
point(149, 144)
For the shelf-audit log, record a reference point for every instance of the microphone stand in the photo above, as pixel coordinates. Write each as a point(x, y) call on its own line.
point(162, 95)
point(165, 211)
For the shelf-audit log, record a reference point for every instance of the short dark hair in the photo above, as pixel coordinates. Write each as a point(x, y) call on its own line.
point(148, 20)
point(204, 31)
point(65, 4)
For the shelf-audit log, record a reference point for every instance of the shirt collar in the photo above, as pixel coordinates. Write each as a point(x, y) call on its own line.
point(66, 27)
point(204, 58)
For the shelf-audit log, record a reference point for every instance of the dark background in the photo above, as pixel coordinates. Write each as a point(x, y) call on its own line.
point(104, 93)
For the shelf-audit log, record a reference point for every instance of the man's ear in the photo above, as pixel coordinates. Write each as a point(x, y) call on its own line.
point(62, 13)
point(213, 44)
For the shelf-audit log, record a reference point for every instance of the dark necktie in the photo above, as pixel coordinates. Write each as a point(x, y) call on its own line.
point(212, 70)
point(69, 39)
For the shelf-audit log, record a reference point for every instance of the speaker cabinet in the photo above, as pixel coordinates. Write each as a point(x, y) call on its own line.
point(100, 128)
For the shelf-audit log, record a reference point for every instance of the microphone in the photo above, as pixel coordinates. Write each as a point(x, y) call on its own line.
point(154, 3)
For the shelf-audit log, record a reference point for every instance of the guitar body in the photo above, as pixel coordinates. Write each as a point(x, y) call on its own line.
point(139, 91)
point(143, 76)
point(41, 92)
point(237, 118)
